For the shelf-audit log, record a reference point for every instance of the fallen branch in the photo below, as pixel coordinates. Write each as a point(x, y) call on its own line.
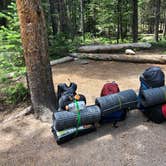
point(53, 62)
point(25, 112)
point(112, 47)
point(142, 58)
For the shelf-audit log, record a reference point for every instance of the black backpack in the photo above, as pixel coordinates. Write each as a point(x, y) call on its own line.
point(66, 95)
point(63, 89)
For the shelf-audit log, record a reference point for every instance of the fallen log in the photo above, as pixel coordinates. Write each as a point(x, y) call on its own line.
point(112, 47)
point(142, 58)
point(61, 60)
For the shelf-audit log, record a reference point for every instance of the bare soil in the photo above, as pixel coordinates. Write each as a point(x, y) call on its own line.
point(136, 142)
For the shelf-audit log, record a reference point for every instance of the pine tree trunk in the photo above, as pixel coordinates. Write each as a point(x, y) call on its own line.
point(63, 18)
point(164, 26)
point(118, 21)
point(54, 18)
point(135, 20)
point(35, 44)
point(157, 20)
point(82, 19)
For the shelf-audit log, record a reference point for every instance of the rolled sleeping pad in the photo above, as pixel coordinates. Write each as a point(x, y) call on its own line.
point(152, 97)
point(68, 134)
point(114, 102)
point(153, 77)
point(65, 119)
point(155, 114)
point(68, 99)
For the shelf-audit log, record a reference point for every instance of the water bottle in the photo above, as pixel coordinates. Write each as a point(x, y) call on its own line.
point(73, 106)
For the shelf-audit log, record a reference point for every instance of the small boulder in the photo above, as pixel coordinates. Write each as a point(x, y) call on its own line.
point(129, 52)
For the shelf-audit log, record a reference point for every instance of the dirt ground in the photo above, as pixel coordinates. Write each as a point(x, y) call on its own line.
point(136, 142)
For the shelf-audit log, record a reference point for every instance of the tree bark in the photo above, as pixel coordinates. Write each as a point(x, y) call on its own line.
point(159, 59)
point(135, 20)
point(157, 20)
point(112, 47)
point(35, 45)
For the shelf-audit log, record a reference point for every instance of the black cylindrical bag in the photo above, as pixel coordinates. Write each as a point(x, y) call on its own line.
point(73, 133)
point(115, 102)
point(65, 119)
point(152, 97)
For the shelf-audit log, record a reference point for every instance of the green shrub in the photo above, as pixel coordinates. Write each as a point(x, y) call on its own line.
point(160, 44)
point(61, 45)
point(11, 53)
point(15, 93)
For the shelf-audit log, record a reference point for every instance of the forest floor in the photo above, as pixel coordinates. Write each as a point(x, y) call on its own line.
point(136, 142)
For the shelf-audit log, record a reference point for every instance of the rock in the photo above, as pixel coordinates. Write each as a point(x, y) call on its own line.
point(84, 62)
point(76, 59)
point(129, 52)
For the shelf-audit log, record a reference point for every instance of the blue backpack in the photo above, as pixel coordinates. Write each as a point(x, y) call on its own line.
point(152, 77)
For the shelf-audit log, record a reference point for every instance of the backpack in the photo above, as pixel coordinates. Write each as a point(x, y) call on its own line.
point(67, 94)
point(152, 77)
point(109, 88)
point(63, 89)
point(112, 117)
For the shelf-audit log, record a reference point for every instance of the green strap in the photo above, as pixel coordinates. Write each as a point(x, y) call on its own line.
point(78, 115)
point(120, 103)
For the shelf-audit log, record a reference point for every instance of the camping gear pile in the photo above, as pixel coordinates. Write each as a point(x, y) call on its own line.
point(74, 118)
point(152, 94)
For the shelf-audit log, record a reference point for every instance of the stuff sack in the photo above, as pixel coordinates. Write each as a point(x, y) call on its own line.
point(153, 77)
point(112, 117)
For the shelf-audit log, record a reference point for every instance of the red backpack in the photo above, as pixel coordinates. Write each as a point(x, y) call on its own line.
point(109, 88)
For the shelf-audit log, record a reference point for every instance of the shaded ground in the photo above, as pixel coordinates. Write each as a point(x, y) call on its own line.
point(26, 141)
